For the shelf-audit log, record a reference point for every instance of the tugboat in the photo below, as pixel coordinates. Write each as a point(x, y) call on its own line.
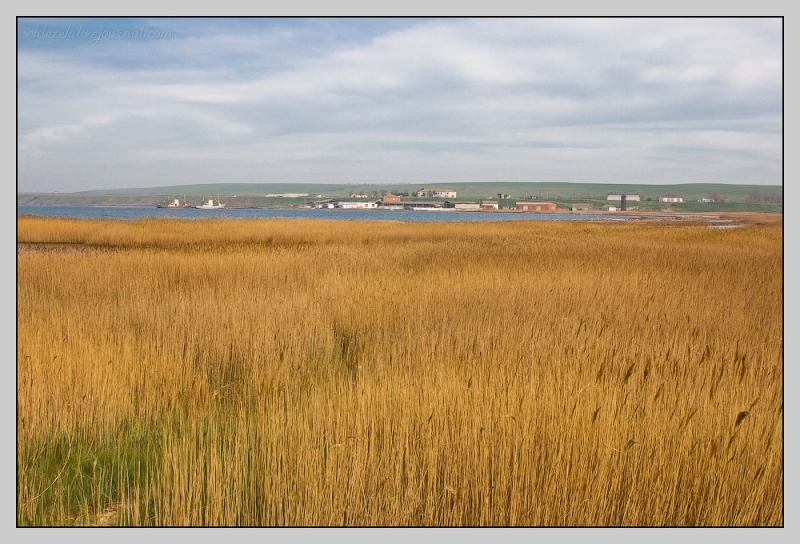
point(175, 204)
point(210, 205)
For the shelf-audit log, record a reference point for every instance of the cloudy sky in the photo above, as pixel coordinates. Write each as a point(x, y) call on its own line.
point(421, 101)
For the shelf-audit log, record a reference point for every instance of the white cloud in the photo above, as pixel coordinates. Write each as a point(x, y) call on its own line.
point(528, 97)
point(55, 133)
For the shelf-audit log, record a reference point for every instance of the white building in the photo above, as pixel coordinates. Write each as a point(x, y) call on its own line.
point(627, 197)
point(436, 193)
point(671, 199)
point(343, 204)
point(490, 204)
point(609, 208)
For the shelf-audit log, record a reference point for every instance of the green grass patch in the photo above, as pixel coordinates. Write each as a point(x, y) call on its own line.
point(78, 479)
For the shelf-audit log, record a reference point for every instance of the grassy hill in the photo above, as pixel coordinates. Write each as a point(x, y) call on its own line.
point(212, 189)
point(544, 190)
point(253, 194)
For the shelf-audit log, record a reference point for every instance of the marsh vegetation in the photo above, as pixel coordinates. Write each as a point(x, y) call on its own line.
point(306, 373)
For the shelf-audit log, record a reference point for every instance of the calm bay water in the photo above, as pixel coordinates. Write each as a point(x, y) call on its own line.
point(131, 213)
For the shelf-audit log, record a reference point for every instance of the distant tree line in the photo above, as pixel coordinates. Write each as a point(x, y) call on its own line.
point(756, 196)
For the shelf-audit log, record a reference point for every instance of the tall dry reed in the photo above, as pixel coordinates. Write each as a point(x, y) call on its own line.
point(279, 372)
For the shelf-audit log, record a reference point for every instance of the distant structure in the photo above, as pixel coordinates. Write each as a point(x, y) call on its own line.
point(536, 207)
point(285, 195)
point(628, 197)
point(609, 208)
point(391, 199)
point(345, 205)
point(581, 207)
point(671, 199)
point(490, 205)
point(436, 193)
point(462, 205)
point(424, 205)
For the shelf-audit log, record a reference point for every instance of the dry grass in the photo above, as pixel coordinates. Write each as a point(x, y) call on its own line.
point(375, 373)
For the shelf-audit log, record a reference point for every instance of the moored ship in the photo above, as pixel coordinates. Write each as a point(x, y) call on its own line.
point(210, 205)
point(175, 204)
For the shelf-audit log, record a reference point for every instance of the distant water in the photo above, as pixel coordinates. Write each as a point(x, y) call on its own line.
point(132, 213)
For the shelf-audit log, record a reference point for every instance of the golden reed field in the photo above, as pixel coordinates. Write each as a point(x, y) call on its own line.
point(317, 373)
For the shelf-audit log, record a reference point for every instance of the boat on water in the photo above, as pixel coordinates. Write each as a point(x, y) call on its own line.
point(175, 204)
point(210, 205)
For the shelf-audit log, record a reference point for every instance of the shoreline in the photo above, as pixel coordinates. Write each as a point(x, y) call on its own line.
point(559, 211)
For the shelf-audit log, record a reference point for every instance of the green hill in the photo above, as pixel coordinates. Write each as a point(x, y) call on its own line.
point(544, 190)
point(254, 194)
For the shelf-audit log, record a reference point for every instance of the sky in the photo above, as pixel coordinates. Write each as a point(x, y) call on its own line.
point(119, 103)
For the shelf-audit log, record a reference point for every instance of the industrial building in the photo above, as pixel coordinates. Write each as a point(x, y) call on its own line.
point(423, 205)
point(536, 207)
point(581, 207)
point(461, 205)
point(345, 205)
point(671, 199)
